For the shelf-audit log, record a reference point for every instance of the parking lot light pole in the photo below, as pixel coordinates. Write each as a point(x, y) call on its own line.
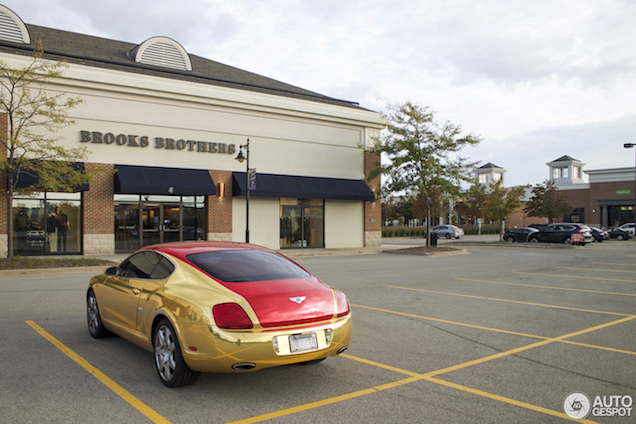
point(629, 146)
point(241, 159)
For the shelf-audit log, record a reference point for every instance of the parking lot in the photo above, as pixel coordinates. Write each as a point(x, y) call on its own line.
point(499, 334)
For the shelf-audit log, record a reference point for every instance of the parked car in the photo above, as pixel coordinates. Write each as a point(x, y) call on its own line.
point(561, 233)
point(448, 231)
point(218, 307)
point(518, 234)
point(618, 233)
point(599, 234)
point(628, 227)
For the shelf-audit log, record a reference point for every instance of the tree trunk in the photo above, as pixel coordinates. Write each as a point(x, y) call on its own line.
point(428, 220)
point(10, 219)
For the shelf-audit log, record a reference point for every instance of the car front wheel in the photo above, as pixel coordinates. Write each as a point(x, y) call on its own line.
point(448, 236)
point(510, 239)
point(93, 317)
point(171, 367)
point(534, 240)
point(619, 238)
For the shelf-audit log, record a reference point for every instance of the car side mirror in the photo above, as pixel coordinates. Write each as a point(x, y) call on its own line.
point(111, 270)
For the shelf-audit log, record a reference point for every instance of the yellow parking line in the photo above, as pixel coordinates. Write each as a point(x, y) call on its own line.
point(429, 377)
point(581, 277)
point(479, 327)
point(324, 402)
point(546, 287)
point(513, 301)
point(504, 399)
point(595, 269)
point(613, 263)
point(123, 393)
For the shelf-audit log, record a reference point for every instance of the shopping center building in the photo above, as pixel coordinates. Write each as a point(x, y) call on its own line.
point(166, 127)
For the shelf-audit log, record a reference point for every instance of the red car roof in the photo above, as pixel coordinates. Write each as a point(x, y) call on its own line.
point(180, 249)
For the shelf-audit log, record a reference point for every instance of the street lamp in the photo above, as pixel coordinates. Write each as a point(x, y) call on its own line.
point(629, 146)
point(242, 159)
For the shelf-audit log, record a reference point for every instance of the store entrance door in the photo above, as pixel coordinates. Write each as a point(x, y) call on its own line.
point(161, 223)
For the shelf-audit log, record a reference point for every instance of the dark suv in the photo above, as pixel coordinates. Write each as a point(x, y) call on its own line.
point(562, 233)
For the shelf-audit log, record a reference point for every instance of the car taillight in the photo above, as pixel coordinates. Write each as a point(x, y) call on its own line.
point(231, 316)
point(342, 304)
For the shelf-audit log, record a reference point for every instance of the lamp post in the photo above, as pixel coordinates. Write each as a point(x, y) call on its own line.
point(629, 146)
point(242, 159)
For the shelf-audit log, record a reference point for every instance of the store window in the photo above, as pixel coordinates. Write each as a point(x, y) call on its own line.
point(146, 219)
point(47, 223)
point(302, 223)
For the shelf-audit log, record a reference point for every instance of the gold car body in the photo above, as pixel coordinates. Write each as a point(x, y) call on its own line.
point(186, 299)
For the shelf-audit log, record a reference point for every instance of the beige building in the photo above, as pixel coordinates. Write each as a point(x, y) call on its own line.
point(172, 124)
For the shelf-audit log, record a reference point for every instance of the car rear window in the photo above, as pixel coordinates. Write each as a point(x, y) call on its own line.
point(239, 266)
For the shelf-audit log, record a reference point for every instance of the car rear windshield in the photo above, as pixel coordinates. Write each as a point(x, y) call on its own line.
point(239, 266)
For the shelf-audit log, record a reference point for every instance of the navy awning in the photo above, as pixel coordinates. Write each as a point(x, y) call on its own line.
point(31, 177)
point(168, 181)
point(270, 185)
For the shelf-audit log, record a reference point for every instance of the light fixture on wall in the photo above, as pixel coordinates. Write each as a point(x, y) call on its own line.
point(221, 190)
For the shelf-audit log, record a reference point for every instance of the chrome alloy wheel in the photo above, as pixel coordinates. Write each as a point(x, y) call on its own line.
point(165, 352)
point(92, 312)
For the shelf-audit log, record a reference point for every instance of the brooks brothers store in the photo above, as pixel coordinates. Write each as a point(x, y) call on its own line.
point(166, 127)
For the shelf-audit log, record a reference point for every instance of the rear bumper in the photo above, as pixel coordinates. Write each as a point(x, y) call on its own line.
point(219, 350)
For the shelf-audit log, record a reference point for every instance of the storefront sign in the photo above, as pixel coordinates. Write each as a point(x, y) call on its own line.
point(623, 192)
point(143, 141)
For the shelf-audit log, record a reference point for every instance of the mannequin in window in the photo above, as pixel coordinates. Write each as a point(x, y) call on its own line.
point(21, 225)
point(51, 230)
point(62, 229)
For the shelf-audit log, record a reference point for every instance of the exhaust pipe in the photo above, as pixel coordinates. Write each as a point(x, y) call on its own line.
point(342, 349)
point(243, 366)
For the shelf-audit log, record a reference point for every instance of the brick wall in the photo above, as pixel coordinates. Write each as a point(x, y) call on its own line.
point(99, 204)
point(220, 207)
point(372, 210)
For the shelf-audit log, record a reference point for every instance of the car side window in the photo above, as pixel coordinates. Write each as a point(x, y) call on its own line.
point(140, 265)
point(163, 269)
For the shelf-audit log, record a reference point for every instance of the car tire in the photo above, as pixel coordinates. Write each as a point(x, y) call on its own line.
point(533, 240)
point(510, 240)
point(172, 369)
point(619, 237)
point(567, 240)
point(448, 236)
point(93, 317)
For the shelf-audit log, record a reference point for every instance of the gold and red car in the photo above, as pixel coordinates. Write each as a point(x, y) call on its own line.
point(218, 307)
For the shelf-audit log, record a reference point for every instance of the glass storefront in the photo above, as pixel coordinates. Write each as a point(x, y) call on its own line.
point(302, 223)
point(619, 215)
point(47, 223)
point(145, 220)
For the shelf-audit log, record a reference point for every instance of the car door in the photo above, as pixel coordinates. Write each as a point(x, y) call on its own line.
point(119, 297)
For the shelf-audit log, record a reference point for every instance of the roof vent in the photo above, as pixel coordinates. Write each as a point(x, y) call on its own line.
point(12, 28)
point(161, 51)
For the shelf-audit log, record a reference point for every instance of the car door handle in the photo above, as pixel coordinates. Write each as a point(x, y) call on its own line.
point(136, 291)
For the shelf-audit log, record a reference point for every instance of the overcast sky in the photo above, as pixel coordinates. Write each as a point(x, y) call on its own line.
point(536, 80)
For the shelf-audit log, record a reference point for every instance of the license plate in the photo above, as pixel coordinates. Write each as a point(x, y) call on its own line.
point(303, 342)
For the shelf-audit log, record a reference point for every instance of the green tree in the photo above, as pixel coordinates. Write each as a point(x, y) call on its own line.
point(546, 202)
point(33, 114)
point(419, 154)
point(437, 203)
point(501, 202)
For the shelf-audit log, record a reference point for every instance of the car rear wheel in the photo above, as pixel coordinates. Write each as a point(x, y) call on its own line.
point(619, 237)
point(567, 240)
point(171, 367)
point(533, 240)
point(93, 317)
